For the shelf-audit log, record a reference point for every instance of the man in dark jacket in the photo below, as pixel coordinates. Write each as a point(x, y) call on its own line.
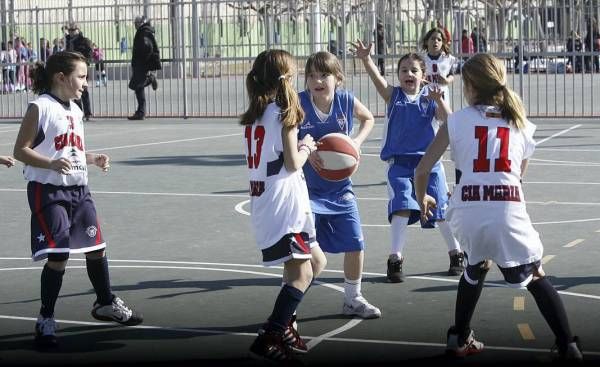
point(75, 41)
point(145, 58)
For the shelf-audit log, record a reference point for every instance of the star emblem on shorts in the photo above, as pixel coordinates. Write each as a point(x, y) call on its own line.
point(41, 237)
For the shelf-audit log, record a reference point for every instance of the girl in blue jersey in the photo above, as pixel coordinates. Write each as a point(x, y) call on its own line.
point(331, 110)
point(413, 121)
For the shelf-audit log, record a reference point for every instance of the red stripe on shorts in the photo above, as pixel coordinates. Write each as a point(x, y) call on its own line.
point(40, 216)
point(301, 243)
point(98, 234)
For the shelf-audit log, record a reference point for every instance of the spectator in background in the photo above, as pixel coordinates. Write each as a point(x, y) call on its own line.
point(123, 45)
point(144, 59)
point(58, 45)
point(592, 43)
point(380, 37)
point(45, 50)
point(98, 58)
point(467, 47)
point(479, 40)
point(75, 41)
point(575, 45)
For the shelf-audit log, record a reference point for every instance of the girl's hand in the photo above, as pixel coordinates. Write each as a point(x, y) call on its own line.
point(7, 161)
point(435, 92)
point(101, 160)
point(427, 204)
point(360, 50)
point(61, 165)
point(308, 142)
point(442, 80)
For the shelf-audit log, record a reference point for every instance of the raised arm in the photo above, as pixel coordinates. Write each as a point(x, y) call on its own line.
point(364, 54)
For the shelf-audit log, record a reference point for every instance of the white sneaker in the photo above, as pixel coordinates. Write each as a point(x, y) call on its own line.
point(360, 307)
point(45, 332)
point(116, 311)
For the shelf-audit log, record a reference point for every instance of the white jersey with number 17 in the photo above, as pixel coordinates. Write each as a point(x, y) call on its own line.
point(278, 198)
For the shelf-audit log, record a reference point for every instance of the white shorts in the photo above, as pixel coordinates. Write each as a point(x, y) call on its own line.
point(502, 233)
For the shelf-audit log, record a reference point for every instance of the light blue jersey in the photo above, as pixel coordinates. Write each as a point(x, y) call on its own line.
point(327, 197)
point(410, 126)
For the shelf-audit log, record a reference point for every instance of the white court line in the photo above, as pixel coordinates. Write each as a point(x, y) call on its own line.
point(163, 142)
point(574, 243)
point(557, 134)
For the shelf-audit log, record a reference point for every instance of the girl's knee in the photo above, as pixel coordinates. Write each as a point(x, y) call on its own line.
point(57, 265)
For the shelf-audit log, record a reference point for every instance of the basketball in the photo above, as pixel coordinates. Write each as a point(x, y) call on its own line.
point(339, 155)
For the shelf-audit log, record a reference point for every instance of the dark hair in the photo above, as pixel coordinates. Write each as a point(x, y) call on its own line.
point(268, 81)
point(42, 74)
point(415, 57)
point(428, 35)
point(324, 62)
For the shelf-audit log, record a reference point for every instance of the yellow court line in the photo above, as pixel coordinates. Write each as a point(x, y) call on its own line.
point(526, 332)
point(519, 303)
point(547, 258)
point(575, 242)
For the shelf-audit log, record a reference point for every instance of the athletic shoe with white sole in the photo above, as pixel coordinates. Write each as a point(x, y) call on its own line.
point(360, 307)
point(45, 332)
point(116, 311)
point(458, 346)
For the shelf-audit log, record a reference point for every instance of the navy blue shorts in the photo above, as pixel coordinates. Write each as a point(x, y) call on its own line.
point(338, 233)
point(63, 220)
point(516, 276)
point(291, 246)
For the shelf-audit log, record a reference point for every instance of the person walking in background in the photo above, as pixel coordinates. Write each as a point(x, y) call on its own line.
point(145, 58)
point(282, 220)
point(75, 41)
point(64, 221)
point(98, 58)
point(487, 211)
point(466, 46)
point(575, 45)
point(44, 51)
point(592, 43)
point(380, 33)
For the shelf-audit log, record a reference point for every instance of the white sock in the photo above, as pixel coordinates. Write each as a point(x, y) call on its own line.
point(399, 228)
point(352, 289)
point(451, 241)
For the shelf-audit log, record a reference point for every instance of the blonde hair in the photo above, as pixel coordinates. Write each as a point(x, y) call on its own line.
point(270, 81)
point(485, 75)
point(324, 62)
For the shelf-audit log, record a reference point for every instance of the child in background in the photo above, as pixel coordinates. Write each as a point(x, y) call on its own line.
point(98, 58)
point(63, 214)
point(440, 65)
point(491, 142)
point(412, 122)
point(280, 209)
point(329, 109)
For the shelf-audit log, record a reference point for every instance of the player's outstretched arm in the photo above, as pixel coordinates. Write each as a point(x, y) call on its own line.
point(7, 161)
point(443, 110)
point(364, 54)
point(100, 160)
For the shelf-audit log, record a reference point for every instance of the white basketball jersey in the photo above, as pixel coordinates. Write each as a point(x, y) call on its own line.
point(444, 65)
point(60, 135)
point(278, 198)
point(487, 211)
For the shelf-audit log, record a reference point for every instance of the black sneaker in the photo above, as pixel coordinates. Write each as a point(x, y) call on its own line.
point(394, 269)
point(136, 116)
point(291, 337)
point(570, 352)
point(269, 346)
point(45, 332)
point(457, 264)
point(116, 311)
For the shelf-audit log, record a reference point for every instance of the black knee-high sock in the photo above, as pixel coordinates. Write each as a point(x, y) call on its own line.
point(552, 308)
point(466, 300)
point(287, 301)
point(97, 270)
point(51, 281)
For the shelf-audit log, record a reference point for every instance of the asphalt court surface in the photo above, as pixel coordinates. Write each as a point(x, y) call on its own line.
point(173, 212)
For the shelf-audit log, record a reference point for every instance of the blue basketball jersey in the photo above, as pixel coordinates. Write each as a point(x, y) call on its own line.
point(327, 197)
point(410, 126)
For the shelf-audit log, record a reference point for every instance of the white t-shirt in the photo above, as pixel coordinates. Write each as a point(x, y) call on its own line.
point(487, 210)
point(60, 135)
point(278, 199)
point(444, 66)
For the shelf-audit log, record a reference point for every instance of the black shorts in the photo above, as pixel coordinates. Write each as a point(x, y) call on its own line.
point(290, 246)
point(63, 220)
point(516, 276)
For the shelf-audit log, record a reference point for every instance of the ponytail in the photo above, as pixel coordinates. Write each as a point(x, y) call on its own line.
point(512, 108)
point(287, 99)
point(42, 75)
point(40, 82)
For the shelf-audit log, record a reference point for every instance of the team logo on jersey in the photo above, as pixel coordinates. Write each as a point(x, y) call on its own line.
point(424, 104)
point(342, 122)
point(306, 125)
point(91, 231)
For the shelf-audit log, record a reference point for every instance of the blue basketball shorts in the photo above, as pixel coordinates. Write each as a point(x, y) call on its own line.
point(401, 192)
point(338, 233)
point(63, 220)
